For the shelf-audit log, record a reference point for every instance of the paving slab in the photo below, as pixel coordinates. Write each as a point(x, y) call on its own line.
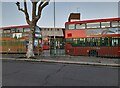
point(83, 60)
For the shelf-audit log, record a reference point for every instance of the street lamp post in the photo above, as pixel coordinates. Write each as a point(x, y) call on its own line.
point(54, 31)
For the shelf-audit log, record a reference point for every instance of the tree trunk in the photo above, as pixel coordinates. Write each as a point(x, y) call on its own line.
point(30, 50)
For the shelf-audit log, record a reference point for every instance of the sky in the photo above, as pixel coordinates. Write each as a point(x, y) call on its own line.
point(89, 10)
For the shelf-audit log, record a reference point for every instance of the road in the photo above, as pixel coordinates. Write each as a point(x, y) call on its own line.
point(23, 73)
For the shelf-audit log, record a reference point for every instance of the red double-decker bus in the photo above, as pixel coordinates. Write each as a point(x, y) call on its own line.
point(46, 45)
point(14, 39)
point(99, 37)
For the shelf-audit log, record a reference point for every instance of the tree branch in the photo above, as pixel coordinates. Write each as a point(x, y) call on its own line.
point(18, 5)
point(45, 4)
point(34, 10)
point(35, 1)
point(42, 4)
point(26, 13)
point(42, 1)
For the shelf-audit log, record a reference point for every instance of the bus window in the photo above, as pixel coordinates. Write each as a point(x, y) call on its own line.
point(102, 42)
point(106, 41)
point(92, 41)
point(66, 26)
point(118, 41)
point(80, 26)
point(118, 30)
point(105, 24)
point(115, 24)
point(0, 36)
point(71, 26)
point(93, 25)
point(69, 40)
point(1, 31)
point(19, 29)
point(46, 43)
point(25, 34)
point(8, 35)
point(75, 41)
point(13, 30)
point(6, 31)
point(98, 41)
point(114, 41)
point(87, 42)
point(82, 41)
point(26, 29)
point(110, 41)
point(95, 41)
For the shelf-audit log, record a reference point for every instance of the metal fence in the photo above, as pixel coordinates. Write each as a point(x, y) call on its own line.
point(57, 47)
point(57, 52)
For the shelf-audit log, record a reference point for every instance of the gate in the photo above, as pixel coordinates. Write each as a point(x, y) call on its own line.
point(57, 47)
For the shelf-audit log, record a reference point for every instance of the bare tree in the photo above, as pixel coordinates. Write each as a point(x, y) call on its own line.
point(40, 4)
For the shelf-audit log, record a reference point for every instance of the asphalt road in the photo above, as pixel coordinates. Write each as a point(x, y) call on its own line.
point(22, 73)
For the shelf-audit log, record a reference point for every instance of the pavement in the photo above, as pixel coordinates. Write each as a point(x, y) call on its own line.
point(82, 60)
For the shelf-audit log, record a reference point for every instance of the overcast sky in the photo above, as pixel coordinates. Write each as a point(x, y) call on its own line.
point(89, 10)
